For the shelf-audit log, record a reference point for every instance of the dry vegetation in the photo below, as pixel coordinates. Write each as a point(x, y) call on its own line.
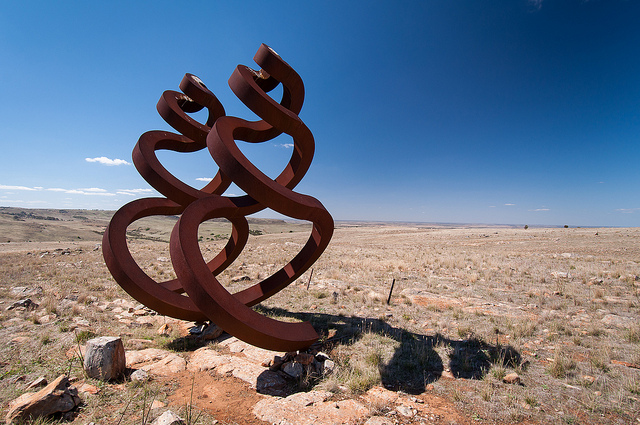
point(558, 306)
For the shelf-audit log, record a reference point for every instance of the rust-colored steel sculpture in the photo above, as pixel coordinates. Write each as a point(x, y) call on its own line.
point(196, 294)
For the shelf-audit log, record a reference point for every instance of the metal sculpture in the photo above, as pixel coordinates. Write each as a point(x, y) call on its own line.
point(196, 294)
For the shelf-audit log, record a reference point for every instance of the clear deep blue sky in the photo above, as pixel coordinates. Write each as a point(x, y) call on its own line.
point(513, 111)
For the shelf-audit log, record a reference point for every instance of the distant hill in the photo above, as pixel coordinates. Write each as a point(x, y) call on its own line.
point(49, 225)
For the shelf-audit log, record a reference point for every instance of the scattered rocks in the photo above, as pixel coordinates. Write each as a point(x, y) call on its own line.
point(313, 407)
point(104, 358)
point(57, 397)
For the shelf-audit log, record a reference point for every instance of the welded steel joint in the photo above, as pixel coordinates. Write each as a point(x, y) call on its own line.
point(196, 294)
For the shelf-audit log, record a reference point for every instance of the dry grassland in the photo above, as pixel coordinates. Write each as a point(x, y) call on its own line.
point(560, 307)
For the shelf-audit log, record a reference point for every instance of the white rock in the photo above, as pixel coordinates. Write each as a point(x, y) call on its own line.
point(328, 367)
point(140, 376)
point(168, 418)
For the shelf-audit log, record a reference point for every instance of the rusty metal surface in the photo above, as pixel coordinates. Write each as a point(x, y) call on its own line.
point(196, 294)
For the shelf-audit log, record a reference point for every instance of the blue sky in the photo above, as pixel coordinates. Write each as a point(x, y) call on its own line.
point(513, 111)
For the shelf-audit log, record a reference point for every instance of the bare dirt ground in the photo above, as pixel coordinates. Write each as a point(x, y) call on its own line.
point(470, 305)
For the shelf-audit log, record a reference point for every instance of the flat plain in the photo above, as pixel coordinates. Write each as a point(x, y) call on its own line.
point(470, 305)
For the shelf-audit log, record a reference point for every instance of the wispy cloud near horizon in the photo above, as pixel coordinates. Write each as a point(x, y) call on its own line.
point(628, 210)
point(91, 191)
point(7, 187)
point(107, 161)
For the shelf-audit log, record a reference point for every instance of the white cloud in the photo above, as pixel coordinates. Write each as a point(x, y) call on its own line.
point(285, 145)
point(2, 186)
point(90, 191)
point(106, 161)
point(134, 191)
point(93, 189)
point(509, 205)
point(628, 210)
point(204, 179)
point(540, 209)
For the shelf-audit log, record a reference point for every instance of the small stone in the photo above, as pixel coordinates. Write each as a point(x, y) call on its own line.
point(511, 378)
point(104, 358)
point(47, 318)
point(447, 374)
point(276, 364)
point(16, 378)
point(271, 383)
point(89, 389)
point(405, 411)
point(304, 358)
point(588, 379)
point(211, 332)
point(164, 330)
point(328, 367)
point(157, 404)
point(39, 382)
point(241, 278)
point(25, 303)
point(168, 418)
point(293, 369)
point(197, 329)
point(140, 375)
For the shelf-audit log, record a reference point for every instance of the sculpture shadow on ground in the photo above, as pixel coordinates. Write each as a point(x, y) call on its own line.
point(415, 361)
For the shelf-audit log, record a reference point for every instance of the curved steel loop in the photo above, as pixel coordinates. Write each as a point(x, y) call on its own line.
point(163, 297)
point(231, 312)
point(173, 107)
point(150, 168)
